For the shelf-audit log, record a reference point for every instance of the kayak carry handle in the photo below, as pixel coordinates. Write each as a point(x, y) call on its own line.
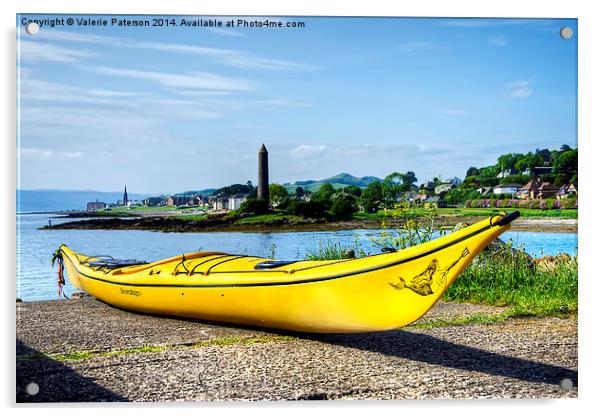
point(507, 219)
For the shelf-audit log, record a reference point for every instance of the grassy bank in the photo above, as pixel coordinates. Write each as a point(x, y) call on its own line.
point(545, 287)
point(524, 212)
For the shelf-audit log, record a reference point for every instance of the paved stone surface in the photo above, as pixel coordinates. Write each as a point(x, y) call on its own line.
point(520, 358)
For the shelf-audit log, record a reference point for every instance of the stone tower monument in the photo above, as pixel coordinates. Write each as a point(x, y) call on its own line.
point(263, 190)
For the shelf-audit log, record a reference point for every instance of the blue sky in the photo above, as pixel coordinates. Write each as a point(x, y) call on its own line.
point(172, 109)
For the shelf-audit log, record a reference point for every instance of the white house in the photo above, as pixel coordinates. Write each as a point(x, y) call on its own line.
point(455, 181)
point(220, 204)
point(504, 173)
point(510, 188)
point(235, 201)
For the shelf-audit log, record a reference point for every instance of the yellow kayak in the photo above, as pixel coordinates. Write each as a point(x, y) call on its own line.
point(375, 293)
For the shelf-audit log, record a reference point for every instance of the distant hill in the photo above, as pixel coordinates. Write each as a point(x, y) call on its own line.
point(57, 200)
point(338, 181)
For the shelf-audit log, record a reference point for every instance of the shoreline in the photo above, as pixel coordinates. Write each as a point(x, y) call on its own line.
point(178, 224)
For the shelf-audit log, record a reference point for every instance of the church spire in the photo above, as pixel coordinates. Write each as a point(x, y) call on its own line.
point(125, 196)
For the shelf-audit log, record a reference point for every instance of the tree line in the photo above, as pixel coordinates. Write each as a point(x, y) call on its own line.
point(560, 168)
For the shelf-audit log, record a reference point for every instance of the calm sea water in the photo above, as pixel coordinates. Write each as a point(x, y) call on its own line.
point(36, 280)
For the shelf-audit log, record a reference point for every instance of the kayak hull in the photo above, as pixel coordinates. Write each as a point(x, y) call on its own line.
point(376, 293)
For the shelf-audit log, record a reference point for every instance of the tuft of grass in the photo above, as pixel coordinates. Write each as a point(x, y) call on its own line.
point(77, 355)
point(509, 277)
point(330, 250)
point(82, 355)
point(224, 341)
point(482, 319)
point(237, 340)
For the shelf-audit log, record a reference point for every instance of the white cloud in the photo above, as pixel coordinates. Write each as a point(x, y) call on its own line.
point(252, 62)
point(45, 91)
point(353, 150)
point(520, 89)
point(73, 155)
point(417, 46)
point(229, 57)
point(308, 151)
point(276, 102)
point(108, 93)
point(28, 152)
point(42, 51)
point(225, 32)
point(500, 41)
point(195, 80)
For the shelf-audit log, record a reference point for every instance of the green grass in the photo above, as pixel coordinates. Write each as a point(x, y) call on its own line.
point(237, 340)
point(483, 319)
point(190, 217)
point(504, 279)
point(330, 250)
point(370, 216)
point(481, 212)
point(525, 212)
point(224, 341)
point(271, 217)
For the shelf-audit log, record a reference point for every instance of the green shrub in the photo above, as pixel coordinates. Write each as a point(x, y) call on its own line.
point(308, 209)
point(254, 206)
point(330, 250)
point(343, 205)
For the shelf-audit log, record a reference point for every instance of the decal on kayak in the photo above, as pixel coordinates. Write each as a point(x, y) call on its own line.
point(130, 292)
point(426, 283)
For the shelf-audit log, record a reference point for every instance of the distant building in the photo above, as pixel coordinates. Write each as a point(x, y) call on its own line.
point(126, 201)
point(535, 189)
point(455, 181)
point(528, 190)
point(440, 202)
point(428, 186)
point(419, 198)
point(505, 173)
point(178, 200)
point(220, 204)
point(572, 189)
point(443, 187)
point(506, 189)
point(566, 191)
point(153, 201)
point(235, 201)
point(546, 190)
point(93, 206)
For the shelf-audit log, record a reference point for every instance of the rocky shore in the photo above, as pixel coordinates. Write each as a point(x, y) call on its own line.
point(217, 223)
point(85, 350)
